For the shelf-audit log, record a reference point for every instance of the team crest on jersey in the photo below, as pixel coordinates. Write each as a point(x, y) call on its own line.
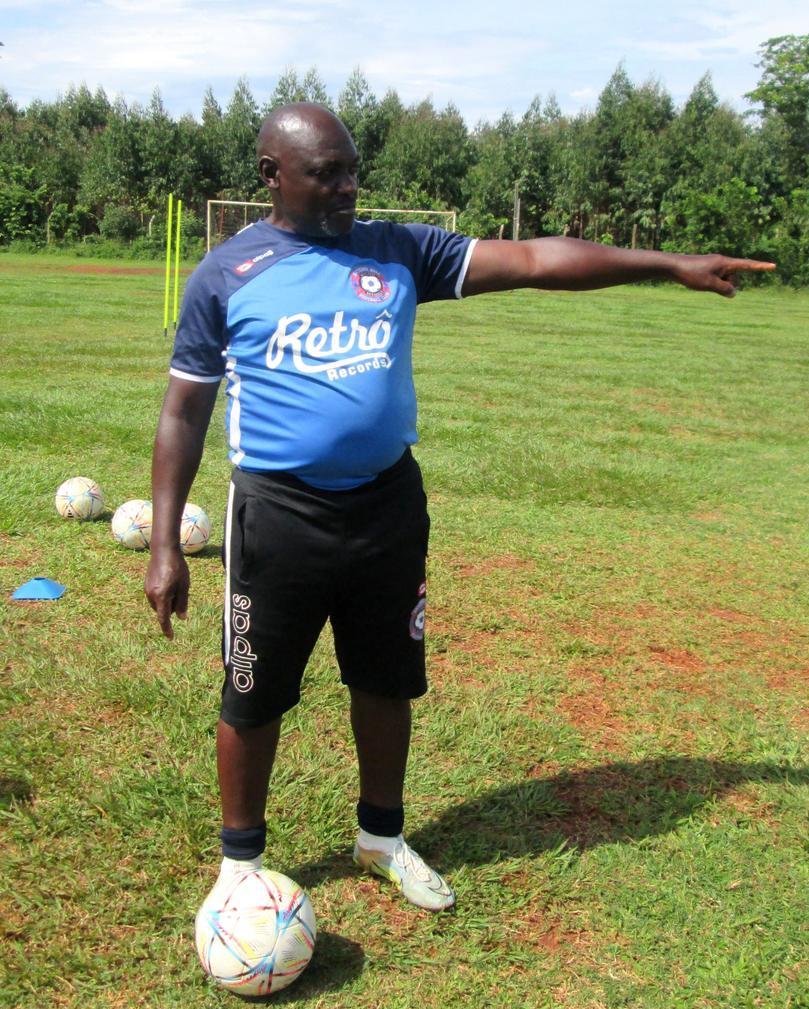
point(418, 615)
point(369, 284)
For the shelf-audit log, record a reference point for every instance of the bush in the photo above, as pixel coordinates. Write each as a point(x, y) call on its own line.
point(22, 202)
point(120, 223)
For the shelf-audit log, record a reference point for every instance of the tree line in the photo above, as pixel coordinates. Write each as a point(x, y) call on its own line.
point(634, 171)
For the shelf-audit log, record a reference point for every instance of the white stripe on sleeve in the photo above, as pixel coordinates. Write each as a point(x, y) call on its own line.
point(464, 268)
point(194, 378)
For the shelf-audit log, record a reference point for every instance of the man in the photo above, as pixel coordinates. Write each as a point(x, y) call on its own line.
point(310, 315)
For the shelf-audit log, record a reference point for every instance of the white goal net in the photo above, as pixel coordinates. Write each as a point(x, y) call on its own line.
point(227, 217)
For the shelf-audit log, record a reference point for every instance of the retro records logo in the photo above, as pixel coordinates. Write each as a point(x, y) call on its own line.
point(369, 284)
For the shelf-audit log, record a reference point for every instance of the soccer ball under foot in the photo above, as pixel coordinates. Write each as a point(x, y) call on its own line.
point(255, 932)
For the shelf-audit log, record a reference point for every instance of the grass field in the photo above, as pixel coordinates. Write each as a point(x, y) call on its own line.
point(611, 764)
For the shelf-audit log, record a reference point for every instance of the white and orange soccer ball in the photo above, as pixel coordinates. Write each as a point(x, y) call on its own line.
point(79, 498)
point(132, 524)
point(255, 933)
point(195, 528)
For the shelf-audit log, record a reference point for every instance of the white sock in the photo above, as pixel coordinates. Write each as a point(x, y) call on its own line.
point(233, 866)
point(375, 842)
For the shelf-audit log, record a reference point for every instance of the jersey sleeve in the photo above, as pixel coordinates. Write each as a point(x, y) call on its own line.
point(443, 261)
point(201, 339)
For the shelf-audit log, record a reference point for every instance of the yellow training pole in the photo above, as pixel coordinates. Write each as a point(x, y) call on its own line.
point(177, 261)
point(168, 268)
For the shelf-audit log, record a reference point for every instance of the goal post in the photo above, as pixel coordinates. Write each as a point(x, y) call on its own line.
point(226, 218)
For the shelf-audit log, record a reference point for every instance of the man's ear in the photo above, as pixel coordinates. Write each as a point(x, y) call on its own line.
point(268, 170)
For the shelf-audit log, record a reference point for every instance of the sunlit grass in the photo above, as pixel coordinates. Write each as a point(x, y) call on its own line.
point(611, 763)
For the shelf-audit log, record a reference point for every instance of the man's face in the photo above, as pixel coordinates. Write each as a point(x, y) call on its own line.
point(314, 184)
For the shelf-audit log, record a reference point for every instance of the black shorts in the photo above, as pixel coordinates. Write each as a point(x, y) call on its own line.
point(296, 556)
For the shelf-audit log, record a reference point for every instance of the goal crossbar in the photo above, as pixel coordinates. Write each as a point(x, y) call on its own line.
point(214, 233)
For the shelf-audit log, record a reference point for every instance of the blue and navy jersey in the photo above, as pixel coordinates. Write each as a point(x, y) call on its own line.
point(314, 337)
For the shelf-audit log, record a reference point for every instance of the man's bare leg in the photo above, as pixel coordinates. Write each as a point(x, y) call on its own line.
point(381, 728)
point(244, 759)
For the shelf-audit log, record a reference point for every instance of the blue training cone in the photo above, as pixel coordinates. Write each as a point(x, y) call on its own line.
point(39, 588)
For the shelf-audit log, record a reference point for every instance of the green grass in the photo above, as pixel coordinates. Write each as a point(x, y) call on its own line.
point(611, 764)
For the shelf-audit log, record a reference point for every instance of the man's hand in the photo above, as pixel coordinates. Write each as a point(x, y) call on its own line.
point(714, 273)
point(177, 451)
point(166, 586)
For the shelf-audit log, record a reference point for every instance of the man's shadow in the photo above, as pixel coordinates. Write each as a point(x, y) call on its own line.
point(617, 802)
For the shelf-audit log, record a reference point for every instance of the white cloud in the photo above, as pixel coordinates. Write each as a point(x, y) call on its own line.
point(723, 32)
point(456, 53)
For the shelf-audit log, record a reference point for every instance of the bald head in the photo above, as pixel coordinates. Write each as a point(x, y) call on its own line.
point(307, 159)
point(298, 123)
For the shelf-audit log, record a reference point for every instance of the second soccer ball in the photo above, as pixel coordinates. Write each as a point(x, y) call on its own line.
point(195, 528)
point(132, 524)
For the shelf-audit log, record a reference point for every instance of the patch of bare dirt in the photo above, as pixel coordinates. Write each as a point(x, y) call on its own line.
point(677, 658)
point(748, 805)
point(127, 271)
point(731, 616)
point(543, 933)
point(789, 679)
point(591, 708)
point(485, 566)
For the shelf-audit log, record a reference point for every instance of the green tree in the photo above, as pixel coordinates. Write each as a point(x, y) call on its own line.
point(489, 183)
point(783, 92)
point(240, 125)
point(22, 203)
point(716, 167)
point(291, 88)
point(161, 156)
point(425, 158)
point(210, 147)
point(367, 119)
point(729, 219)
point(531, 151)
point(113, 169)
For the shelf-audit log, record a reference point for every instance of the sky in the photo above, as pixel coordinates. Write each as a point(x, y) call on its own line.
point(484, 57)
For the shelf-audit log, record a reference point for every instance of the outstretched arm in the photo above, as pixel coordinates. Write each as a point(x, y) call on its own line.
point(570, 264)
point(177, 452)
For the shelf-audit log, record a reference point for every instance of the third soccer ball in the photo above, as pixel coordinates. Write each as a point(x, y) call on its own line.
point(255, 932)
point(132, 524)
point(195, 529)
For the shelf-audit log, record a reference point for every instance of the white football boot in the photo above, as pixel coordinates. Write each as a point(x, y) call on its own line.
point(404, 867)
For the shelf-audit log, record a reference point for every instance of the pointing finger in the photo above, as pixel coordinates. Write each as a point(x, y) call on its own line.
point(750, 265)
point(163, 611)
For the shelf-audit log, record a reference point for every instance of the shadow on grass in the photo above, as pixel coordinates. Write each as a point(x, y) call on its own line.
point(335, 962)
point(611, 803)
point(209, 550)
point(14, 789)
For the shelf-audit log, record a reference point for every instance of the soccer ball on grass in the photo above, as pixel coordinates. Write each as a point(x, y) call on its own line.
point(195, 528)
point(255, 933)
point(79, 498)
point(132, 524)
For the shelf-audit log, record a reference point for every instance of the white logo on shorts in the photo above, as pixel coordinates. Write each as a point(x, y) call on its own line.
point(242, 656)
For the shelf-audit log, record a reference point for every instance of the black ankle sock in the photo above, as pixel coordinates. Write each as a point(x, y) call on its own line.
point(380, 821)
point(243, 844)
